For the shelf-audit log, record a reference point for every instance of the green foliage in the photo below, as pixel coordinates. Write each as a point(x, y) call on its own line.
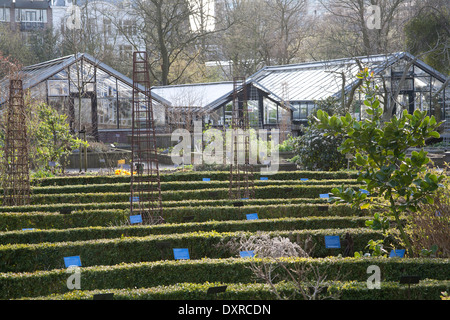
point(314, 149)
point(50, 137)
point(230, 270)
point(380, 150)
point(287, 145)
point(262, 192)
point(50, 234)
point(192, 176)
point(47, 256)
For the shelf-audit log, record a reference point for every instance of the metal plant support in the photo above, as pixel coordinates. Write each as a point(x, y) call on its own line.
point(241, 171)
point(145, 198)
point(16, 183)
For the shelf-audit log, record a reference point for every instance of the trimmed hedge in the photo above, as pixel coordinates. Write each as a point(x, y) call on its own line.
point(87, 218)
point(264, 192)
point(177, 185)
point(53, 220)
point(90, 233)
point(54, 207)
point(426, 290)
point(194, 176)
point(231, 270)
point(47, 256)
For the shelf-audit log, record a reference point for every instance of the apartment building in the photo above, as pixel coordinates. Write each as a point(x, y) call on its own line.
point(26, 15)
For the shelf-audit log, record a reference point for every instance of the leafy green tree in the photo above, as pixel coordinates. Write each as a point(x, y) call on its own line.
point(50, 137)
point(316, 151)
point(380, 150)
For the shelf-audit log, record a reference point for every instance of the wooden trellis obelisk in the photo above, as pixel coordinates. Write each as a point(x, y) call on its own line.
point(16, 178)
point(241, 171)
point(145, 199)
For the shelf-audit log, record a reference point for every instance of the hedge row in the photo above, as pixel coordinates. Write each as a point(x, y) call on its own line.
point(87, 218)
point(148, 274)
point(47, 256)
point(426, 290)
point(89, 233)
point(177, 185)
point(55, 220)
point(266, 192)
point(195, 176)
point(55, 207)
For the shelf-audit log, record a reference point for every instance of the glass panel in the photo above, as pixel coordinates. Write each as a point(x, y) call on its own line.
point(303, 110)
point(422, 83)
point(253, 113)
point(159, 115)
point(60, 104)
point(311, 108)
point(107, 113)
point(296, 113)
point(58, 87)
point(84, 114)
point(407, 84)
point(125, 109)
point(228, 114)
point(270, 112)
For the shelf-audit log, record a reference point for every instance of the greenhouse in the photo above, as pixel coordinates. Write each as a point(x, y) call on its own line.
point(278, 96)
point(303, 85)
point(92, 94)
point(288, 94)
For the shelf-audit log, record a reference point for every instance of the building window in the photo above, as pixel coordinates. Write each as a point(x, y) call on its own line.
point(4, 14)
point(128, 27)
point(31, 15)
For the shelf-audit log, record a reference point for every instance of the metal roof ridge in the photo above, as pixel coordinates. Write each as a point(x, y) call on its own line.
point(331, 61)
point(46, 63)
point(192, 84)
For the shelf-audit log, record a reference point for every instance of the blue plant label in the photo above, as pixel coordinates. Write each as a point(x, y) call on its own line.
point(324, 196)
point(136, 219)
point(264, 178)
point(332, 242)
point(304, 179)
point(252, 216)
point(244, 198)
point(181, 254)
point(134, 199)
point(206, 179)
point(247, 254)
point(400, 253)
point(27, 229)
point(72, 261)
point(364, 191)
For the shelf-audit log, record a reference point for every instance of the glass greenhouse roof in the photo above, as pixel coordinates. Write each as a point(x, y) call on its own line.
point(319, 80)
point(56, 69)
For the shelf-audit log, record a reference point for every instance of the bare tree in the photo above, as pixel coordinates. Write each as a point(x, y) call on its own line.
point(265, 32)
point(175, 33)
point(350, 32)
